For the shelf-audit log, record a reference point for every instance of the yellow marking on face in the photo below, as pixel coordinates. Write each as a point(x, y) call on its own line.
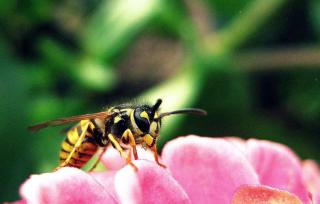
point(117, 119)
point(145, 115)
point(153, 127)
point(148, 139)
point(127, 109)
point(134, 124)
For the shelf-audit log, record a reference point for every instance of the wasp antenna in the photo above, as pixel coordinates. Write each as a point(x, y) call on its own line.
point(156, 106)
point(193, 111)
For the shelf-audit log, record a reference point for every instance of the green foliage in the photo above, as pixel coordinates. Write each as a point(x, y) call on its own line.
point(74, 57)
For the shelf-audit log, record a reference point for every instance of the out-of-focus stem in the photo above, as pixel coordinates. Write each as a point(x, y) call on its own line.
point(203, 20)
point(241, 29)
point(277, 59)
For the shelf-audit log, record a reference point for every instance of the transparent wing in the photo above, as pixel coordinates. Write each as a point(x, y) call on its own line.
point(61, 121)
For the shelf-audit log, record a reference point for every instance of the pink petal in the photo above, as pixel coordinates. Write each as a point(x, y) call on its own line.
point(150, 184)
point(106, 179)
point(113, 161)
point(67, 185)
point(311, 174)
point(209, 170)
point(316, 196)
point(263, 195)
point(277, 166)
point(237, 142)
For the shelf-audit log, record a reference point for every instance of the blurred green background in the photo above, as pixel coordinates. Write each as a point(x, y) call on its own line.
point(252, 64)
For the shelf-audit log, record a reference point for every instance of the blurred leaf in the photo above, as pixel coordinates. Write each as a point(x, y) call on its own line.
point(232, 36)
point(302, 98)
point(315, 15)
point(225, 10)
point(226, 96)
point(173, 19)
point(39, 77)
point(95, 76)
point(16, 162)
point(56, 55)
point(115, 24)
point(47, 107)
point(6, 7)
point(84, 72)
point(40, 10)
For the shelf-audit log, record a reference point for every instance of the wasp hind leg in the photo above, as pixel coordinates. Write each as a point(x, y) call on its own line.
point(98, 160)
point(121, 151)
point(76, 146)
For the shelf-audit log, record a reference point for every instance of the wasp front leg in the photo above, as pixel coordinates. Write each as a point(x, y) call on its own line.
point(151, 142)
point(155, 154)
point(122, 152)
point(127, 135)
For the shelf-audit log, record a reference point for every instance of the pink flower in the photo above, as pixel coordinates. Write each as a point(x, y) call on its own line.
point(199, 170)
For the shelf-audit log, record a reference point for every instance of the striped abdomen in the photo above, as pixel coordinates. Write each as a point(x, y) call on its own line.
point(85, 151)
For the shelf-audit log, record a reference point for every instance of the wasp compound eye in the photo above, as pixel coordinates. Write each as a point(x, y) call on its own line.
point(141, 118)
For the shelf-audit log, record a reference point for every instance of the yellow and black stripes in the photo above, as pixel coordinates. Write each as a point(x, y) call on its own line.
point(85, 151)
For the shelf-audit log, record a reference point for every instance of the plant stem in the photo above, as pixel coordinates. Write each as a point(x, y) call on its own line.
point(243, 27)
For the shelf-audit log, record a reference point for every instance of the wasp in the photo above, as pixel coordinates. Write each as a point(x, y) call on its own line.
point(123, 126)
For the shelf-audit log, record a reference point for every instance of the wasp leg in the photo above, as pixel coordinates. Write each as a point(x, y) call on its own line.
point(76, 146)
point(98, 160)
point(122, 152)
point(155, 154)
point(128, 134)
point(129, 154)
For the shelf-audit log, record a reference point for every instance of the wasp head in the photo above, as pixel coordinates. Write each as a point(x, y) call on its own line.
point(146, 119)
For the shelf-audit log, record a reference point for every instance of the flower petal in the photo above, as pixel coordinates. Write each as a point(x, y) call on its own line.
point(67, 185)
point(238, 142)
point(316, 195)
point(106, 179)
point(150, 184)
point(113, 161)
point(277, 166)
point(209, 170)
point(263, 194)
point(311, 175)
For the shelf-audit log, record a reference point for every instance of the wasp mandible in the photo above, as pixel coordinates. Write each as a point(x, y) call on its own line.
point(121, 126)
